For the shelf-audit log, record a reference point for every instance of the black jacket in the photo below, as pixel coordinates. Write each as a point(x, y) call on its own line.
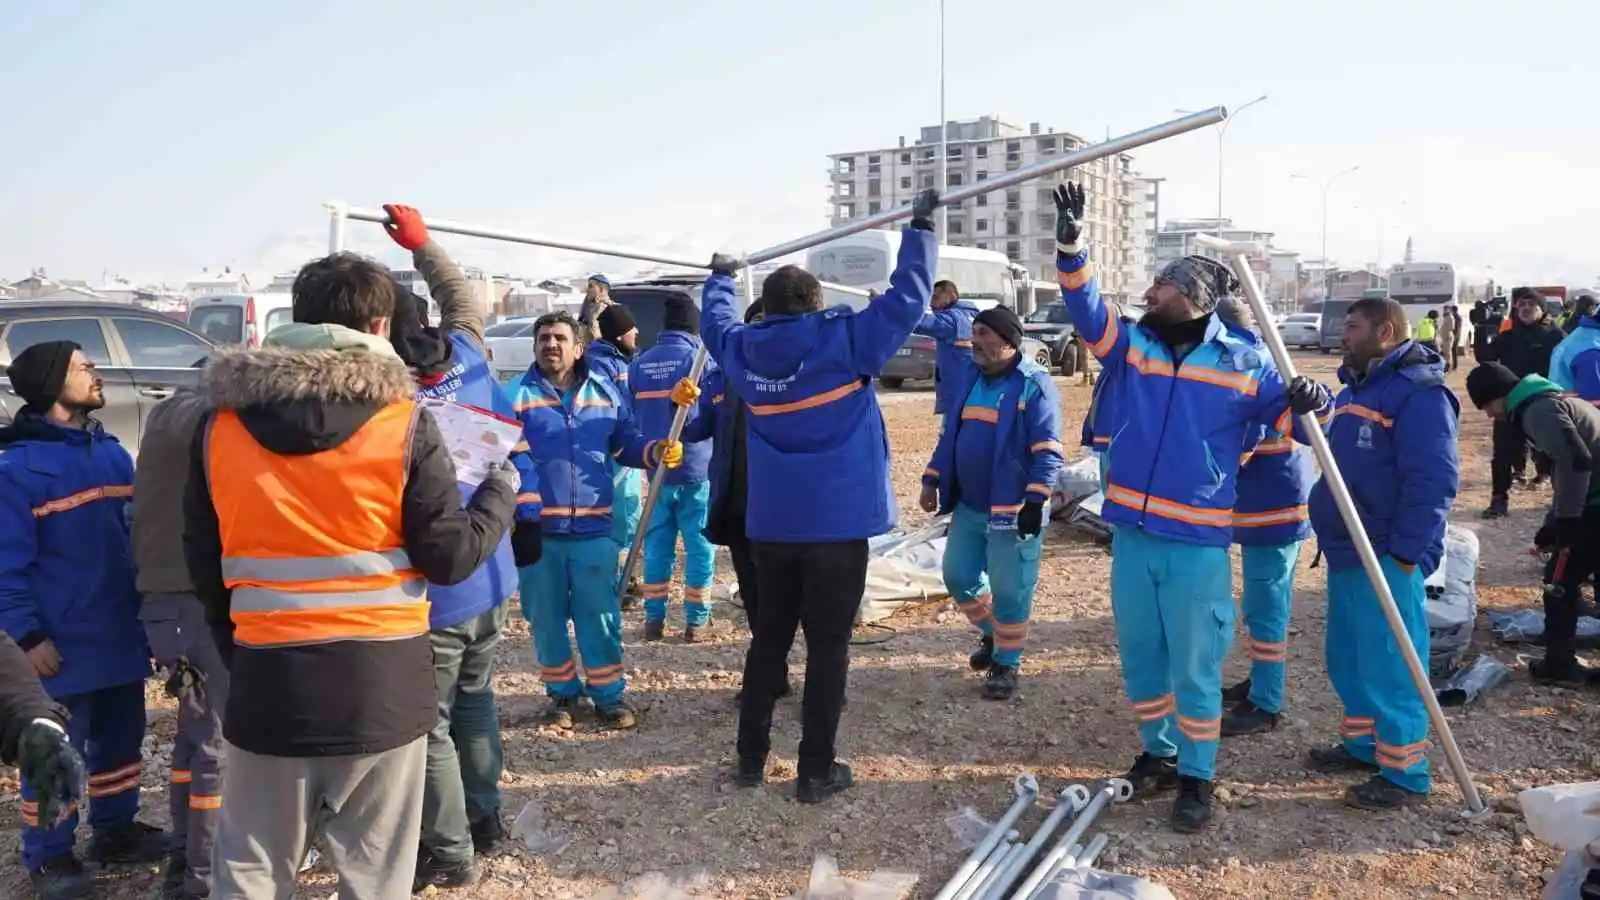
point(346, 697)
point(1526, 349)
point(22, 699)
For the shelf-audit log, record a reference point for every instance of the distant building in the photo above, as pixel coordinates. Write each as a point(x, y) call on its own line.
point(211, 284)
point(1278, 271)
point(1019, 221)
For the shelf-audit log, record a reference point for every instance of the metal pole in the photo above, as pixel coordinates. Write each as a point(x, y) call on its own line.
point(1334, 478)
point(1092, 852)
point(1072, 800)
point(337, 215)
point(1049, 167)
point(1115, 789)
point(944, 132)
point(1027, 792)
point(989, 886)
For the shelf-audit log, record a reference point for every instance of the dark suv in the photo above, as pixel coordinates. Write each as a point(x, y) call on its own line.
point(646, 301)
point(141, 356)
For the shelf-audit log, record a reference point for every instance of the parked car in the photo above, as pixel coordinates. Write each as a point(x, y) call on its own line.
point(509, 346)
point(1051, 325)
point(914, 361)
point(141, 356)
point(1302, 330)
point(1332, 325)
point(511, 343)
point(239, 318)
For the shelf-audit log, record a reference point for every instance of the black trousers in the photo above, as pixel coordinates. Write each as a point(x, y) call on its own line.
point(817, 587)
point(744, 569)
point(1563, 591)
point(1511, 457)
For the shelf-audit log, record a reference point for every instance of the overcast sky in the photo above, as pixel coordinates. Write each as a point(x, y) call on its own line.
point(150, 139)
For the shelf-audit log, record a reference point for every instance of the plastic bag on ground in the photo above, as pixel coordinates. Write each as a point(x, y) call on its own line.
point(827, 884)
point(1527, 626)
point(658, 886)
point(967, 828)
point(1467, 685)
point(1567, 815)
point(904, 570)
point(1452, 602)
point(1076, 481)
point(1093, 884)
point(533, 831)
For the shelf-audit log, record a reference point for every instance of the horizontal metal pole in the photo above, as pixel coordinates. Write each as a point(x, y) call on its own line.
point(1078, 157)
point(336, 242)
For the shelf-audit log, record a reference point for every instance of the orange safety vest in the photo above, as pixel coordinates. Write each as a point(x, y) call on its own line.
point(311, 545)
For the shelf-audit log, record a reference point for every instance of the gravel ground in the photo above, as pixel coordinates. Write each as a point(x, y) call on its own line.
point(924, 744)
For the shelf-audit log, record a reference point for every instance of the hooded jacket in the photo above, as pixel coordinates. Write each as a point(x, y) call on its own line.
point(66, 559)
point(651, 378)
point(611, 361)
point(1575, 364)
point(951, 329)
point(160, 475)
point(1394, 437)
point(1526, 349)
point(312, 388)
point(1275, 478)
point(1180, 425)
point(818, 451)
point(1567, 430)
point(1027, 451)
point(573, 436)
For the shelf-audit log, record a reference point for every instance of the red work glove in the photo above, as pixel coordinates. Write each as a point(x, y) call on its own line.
point(405, 226)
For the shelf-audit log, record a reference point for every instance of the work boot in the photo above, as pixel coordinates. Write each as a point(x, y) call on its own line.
point(1152, 774)
point(1237, 693)
point(1379, 794)
point(1001, 683)
point(1336, 759)
point(172, 875)
point(1192, 810)
point(691, 634)
point(488, 835)
point(654, 629)
point(618, 717)
point(62, 878)
point(1568, 674)
point(127, 844)
point(752, 772)
point(1248, 718)
point(558, 714)
point(983, 657)
point(1498, 507)
point(433, 872)
point(816, 790)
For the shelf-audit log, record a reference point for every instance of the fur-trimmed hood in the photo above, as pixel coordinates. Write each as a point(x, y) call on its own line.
point(238, 378)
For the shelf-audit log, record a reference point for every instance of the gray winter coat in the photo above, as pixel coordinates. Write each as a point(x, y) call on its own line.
point(1567, 430)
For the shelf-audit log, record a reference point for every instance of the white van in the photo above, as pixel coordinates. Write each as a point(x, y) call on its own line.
point(239, 318)
point(866, 259)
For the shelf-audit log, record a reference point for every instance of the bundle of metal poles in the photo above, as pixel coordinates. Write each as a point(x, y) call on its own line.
point(995, 868)
point(340, 214)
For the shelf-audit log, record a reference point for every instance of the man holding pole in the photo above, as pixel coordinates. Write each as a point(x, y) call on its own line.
point(611, 355)
point(1189, 390)
point(575, 423)
point(1394, 437)
point(819, 478)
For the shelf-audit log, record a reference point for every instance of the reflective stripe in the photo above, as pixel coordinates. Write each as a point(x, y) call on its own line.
point(963, 344)
point(205, 801)
point(653, 395)
point(812, 402)
point(1169, 509)
point(575, 511)
point(1371, 415)
point(1286, 516)
point(1153, 710)
point(980, 414)
point(314, 568)
point(1243, 382)
point(73, 501)
point(930, 472)
point(1074, 280)
point(289, 628)
point(977, 609)
point(271, 599)
point(1046, 447)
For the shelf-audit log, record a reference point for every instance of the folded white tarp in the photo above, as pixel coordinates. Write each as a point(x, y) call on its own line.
point(1452, 604)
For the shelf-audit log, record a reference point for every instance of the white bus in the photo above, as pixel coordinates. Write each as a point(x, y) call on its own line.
point(866, 259)
point(1423, 287)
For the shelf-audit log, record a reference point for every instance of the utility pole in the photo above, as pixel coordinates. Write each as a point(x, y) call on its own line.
point(1324, 184)
point(943, 178)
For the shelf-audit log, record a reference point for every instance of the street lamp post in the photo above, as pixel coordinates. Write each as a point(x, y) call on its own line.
point(1324, 184)
point(1222, 132)
point(943, 215)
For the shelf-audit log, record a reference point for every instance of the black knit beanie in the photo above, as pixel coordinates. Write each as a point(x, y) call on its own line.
point(679, 315)
point(615, 321)
point(1002, 321)
point(1490, 382)
point(38, 372)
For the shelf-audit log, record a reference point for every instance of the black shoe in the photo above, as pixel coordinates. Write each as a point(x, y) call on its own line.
point(1336, 759)
point(691, 634)
point(1538, 482)
point(558, 714)
point(1152, 774)
point(1192, 810)
point(488, 835)
point(1237, 693)
point(983, 657)
point(1001, 683)
point(433, 872)
point(1379, 794)
point(127, 844)
point(633, 597)
point(654, 629)
point(1570, 674)
point(172, 876)
point(1498, 508)
point(616, 718)
point(752, 773)
point(62, 878)
point(816, 790)
point(1248, 718)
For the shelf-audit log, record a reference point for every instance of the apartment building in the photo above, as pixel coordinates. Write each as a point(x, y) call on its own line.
point(1019, 221)
point(1278, 271)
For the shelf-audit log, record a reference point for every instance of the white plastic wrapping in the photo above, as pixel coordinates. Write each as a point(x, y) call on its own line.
point(1093, 884)
point(1452, 602)
point(827, 884)
point(1567, 815)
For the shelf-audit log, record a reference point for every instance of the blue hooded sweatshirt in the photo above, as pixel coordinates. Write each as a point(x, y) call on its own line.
point(951, 329)
point(1575, 365)
point(652, 376)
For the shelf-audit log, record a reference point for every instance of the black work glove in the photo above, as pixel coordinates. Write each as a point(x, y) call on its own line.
point(725, 264)
point(50, 767)
point(1069, 214)
point(1306, 397)
point(1567, 533)
point(922, 208)
point(527, 543)
point(1030, 519)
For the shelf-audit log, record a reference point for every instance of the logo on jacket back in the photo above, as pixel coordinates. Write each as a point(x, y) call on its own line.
point(447, 386)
